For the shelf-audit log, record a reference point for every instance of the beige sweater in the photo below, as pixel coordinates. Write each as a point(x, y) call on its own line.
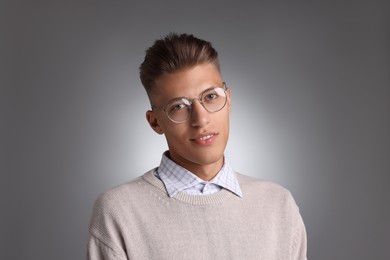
point(138, 220)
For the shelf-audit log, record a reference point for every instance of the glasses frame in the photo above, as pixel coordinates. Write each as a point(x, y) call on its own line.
point(199, 98)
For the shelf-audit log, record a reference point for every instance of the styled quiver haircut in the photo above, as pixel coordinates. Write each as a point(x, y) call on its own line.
point(172, 53)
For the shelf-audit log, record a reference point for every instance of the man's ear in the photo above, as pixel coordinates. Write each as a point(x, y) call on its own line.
point(153, 122)
point(229, 97)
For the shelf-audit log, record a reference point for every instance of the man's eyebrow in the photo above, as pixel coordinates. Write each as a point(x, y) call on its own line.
point(169, 100)
point(210, 87)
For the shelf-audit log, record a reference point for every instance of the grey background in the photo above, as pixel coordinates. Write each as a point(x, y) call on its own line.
point(310, 84)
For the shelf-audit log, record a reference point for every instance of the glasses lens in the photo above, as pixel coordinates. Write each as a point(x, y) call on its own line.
point(214, 99)
point(178, 110)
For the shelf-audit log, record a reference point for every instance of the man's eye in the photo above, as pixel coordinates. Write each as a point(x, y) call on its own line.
point(211, 96)
point(177, 107)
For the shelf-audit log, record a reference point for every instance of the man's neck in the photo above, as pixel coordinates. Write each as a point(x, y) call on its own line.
point(205, 172)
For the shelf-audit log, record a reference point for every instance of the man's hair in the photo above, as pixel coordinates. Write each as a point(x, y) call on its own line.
point(172, 53)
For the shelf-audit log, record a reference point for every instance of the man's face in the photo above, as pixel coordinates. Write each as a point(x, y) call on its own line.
point(200, 141)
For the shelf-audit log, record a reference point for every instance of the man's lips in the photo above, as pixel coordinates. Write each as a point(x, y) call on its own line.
point(204, 139)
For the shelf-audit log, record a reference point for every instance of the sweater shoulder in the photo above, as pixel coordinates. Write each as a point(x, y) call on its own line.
point(121, 195)
point(246, 180)
point(263, 188)
point(111, 211)
point(119, 191)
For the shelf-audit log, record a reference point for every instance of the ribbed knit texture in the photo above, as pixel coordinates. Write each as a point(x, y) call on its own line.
point(138, 220)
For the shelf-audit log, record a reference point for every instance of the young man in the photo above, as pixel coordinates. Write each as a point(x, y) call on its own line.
point(193, 206)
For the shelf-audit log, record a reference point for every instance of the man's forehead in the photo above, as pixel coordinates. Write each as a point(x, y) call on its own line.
point(188, 82)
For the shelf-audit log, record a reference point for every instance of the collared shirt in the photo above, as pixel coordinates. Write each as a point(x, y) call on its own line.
point(177, 178)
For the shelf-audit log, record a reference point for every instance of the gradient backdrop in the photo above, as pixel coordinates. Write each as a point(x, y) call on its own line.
point(311, 110)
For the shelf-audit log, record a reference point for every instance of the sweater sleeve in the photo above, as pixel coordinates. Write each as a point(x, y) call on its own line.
point(105, 239)
point(299, 243)
point(97, 250)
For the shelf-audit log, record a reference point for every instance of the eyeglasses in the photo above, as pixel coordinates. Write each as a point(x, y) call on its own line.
point(213, 99)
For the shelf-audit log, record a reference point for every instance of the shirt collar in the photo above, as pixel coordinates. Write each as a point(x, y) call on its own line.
point(177, 178)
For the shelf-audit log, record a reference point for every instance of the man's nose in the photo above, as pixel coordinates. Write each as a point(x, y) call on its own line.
point(199, 115)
